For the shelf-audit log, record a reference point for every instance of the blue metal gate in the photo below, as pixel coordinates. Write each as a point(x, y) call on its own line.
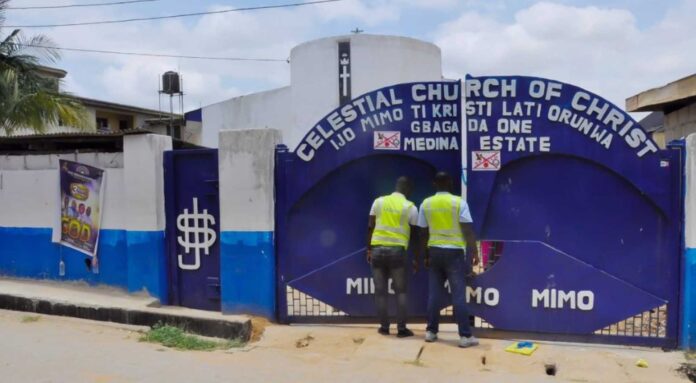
point(325, 188)
point(193, 218)
point(587, 211)
point(582, 208)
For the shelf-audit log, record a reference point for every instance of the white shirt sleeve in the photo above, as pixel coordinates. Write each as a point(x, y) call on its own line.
point(422, 221)
point(373, 209)
point(413, 215)
point(464, 213)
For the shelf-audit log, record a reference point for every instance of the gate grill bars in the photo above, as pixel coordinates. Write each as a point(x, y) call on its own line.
point(648, 324)
point(301, 304)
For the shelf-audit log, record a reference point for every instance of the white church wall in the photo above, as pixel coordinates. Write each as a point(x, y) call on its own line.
point(270, 109)
point(376, 61)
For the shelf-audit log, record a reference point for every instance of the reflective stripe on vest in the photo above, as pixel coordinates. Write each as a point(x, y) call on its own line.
point(391, 227)
point(442, 213)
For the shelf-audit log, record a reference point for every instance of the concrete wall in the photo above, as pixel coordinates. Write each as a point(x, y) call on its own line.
point(261, 110)
point(688, 320)
point(680, 123)
point(131, 239)
point(144, 179)
point(193, 132)
point(376, 61)
point(247, 208)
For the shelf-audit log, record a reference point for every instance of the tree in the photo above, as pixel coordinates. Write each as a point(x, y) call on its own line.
point(27, 98)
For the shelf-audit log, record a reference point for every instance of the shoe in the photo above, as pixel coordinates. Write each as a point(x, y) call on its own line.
point(430, 336)
point(383, 330)
point(470, 341)
point(404, 333)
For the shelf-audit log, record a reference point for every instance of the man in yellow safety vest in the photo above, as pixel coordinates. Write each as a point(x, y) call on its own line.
point(449, 246)
point(388, 234)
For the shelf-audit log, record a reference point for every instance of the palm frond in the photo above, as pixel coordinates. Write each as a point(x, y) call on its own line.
point(39, 110)
point(27, 98)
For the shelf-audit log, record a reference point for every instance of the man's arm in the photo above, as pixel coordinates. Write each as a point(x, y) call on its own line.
point(470, 237)
point(424, 235)
point(370, 229)
point(413, 223)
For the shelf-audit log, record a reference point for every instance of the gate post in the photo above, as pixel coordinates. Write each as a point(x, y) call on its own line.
point(688, 289)
point(144, 188)
point(247, 252)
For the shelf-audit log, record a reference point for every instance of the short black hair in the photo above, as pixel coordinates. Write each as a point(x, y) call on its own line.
point(404, 185)
point(443, 181)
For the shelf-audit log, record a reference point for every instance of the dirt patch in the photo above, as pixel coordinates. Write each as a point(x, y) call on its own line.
point(258, 326)
point(304, 342)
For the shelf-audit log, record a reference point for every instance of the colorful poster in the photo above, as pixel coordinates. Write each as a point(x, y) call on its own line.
point(80, 212)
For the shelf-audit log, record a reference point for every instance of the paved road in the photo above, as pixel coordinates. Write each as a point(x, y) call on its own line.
point(55, 349)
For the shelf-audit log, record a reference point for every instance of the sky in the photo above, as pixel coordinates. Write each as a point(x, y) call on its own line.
point(615, 48)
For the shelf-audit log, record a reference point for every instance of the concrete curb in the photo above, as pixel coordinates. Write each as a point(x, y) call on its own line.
point(237, 329)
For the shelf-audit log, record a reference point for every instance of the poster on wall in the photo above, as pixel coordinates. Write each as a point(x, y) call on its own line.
point(80, 210)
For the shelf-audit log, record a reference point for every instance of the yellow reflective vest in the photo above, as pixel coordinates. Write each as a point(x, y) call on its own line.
point(392, 227)
point(442, 213)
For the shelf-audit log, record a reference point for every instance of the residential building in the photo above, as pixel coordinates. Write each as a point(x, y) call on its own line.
point(111, 117)
point(677, 100)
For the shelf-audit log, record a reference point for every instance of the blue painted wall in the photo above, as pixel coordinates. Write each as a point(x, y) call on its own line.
point(29, 253)
point(147, 263)
point(247, 272)
point(688, 319)
point(130, 260)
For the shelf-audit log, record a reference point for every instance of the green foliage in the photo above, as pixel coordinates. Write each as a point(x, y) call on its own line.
point(175, 337)
point(27, 98)
point(31, 318)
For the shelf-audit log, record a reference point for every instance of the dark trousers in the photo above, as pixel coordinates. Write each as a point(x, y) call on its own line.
point(451, 265)
point(390, 262)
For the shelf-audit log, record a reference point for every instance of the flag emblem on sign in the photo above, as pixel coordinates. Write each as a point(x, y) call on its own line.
point(387, 140)
point(485, 160)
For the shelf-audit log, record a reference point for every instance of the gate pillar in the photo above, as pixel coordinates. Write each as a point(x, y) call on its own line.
point(247, 254)
point(688, 315)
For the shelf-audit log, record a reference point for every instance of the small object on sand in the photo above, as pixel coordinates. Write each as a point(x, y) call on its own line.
point(522, 348)
point(550, 369)
point(304, 342)
point(642, 363)
point(483, 359)
point(417, 362)
point(420, 353)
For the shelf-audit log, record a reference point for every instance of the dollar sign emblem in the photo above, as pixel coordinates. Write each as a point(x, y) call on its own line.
point(196, 234)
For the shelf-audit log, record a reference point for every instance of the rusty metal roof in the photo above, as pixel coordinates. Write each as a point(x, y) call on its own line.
point(83, 134)
point(61, 142)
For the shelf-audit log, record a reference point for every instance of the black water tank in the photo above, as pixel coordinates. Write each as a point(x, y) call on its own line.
point(170, 83)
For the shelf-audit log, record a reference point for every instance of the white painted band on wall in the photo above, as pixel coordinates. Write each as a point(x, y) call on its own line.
point(246, 167)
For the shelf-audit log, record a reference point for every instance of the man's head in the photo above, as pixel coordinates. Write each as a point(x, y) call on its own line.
point(443, 182)
point(404, 185)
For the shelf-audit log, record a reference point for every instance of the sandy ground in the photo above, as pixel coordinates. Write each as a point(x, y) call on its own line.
point(55, 349)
